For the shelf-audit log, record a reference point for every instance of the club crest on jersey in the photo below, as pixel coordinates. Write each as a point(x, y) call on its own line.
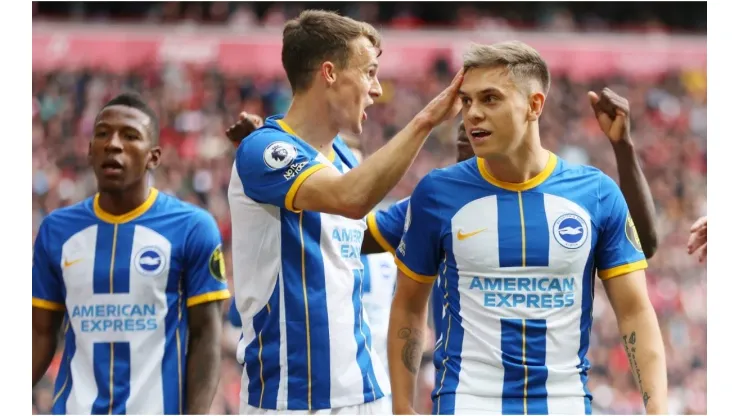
point(570, 231)
point(631, 231)
point(279, 155)
point(216, 264)
point(150, 261)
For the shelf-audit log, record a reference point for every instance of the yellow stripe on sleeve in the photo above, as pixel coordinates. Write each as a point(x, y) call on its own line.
point(372, 225)
point(209, 297)
point(415, 276)
point(48, 305)
point(623, 269)
point(297, 182)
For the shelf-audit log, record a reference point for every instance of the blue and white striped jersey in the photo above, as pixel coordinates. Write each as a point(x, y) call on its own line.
point(298, 281)
point(124, 283)
point(518, 263)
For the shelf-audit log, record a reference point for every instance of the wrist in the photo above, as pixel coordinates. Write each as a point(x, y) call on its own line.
point(625, 144)
point(422, 123)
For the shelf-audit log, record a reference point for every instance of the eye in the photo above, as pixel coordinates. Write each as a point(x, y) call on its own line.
point(490, 99)
point(466, 101)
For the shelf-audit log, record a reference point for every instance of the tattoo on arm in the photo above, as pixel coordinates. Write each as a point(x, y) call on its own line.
point(412, 349)
point(630, 346)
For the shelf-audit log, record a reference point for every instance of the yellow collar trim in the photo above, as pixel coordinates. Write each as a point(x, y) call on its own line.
point(522, 186)
point(288, 130)
point(129, 216)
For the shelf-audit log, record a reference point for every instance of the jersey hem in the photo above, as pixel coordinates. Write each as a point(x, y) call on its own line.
point(413, 275)
point(209, 297)
point(48, 305)
point(290, 196)
point(372, 225)
point(622, 270)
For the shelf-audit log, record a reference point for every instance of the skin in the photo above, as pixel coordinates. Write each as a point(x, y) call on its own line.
point(698, 239)
point(509, 109)
point(123, 149)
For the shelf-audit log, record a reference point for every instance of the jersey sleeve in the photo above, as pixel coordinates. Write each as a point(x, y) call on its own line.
point(272, 167)
point(205, 269)
point(418, 253)
point(47, 287)
point(234, 316)
point(618, 250)
point(386, 226)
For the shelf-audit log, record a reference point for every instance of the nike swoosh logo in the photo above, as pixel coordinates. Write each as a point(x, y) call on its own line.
point(69, 263)
point(462, 236)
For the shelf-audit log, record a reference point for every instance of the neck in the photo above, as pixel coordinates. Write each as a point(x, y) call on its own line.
point(127, 200)
point(521, 164)
point(311, 122)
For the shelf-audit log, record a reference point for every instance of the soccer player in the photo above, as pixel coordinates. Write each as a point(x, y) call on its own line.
point(698, 238)
point(297, 210)
point(136, 279)
point(519, 236)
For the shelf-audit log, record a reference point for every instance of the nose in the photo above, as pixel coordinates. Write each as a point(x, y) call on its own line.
point(114, 143)
point(474, 113)
point(376, 90)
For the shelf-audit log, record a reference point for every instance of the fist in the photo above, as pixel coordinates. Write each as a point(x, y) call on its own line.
point(613, 114)
point(698, 239)
point(246, 124)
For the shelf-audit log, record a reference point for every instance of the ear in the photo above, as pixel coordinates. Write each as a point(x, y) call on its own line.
point(155, 153)
point(536, 104)
point(328, 73)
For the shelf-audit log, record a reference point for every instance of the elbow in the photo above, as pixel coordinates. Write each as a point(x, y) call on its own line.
point(650, 245)
point(355, 206)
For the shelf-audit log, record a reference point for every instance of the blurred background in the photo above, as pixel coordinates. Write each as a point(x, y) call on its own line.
point(200, 63)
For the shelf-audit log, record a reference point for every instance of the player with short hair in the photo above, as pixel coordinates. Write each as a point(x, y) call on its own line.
point(136, 279)
point(519, 236)
point(297, 207)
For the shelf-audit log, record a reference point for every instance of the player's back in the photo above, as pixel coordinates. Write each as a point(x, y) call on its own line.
point(124, 283)
point(518, 277)
point(298, 282)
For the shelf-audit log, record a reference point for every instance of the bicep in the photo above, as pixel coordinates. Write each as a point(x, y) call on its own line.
point(205, 318)
point(46, 321)
point(320, 191)
point(628, 294)
point(412, 294)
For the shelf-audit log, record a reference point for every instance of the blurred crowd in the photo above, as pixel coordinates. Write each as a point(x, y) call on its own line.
point(195, 106)
point(550, 16)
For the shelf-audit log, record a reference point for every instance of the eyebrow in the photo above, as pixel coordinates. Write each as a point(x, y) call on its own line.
point(492, 90)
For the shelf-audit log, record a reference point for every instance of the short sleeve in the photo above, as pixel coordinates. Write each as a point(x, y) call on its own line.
point(418, 253)
point(272, 166)
point(618, 249)
point(205, 269)
point(47, 287)
point(386, 226)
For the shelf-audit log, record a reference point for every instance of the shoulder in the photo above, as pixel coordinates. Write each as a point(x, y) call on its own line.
point(64, 222)
point(188, 215)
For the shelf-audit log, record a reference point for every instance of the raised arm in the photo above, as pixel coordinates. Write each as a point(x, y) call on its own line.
point(355, 193)
point(612, 112)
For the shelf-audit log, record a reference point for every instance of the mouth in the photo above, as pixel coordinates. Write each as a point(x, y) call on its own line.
point(112, 167)
point(479, 135)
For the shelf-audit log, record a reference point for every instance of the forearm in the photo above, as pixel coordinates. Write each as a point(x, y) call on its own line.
point(405, 348)
point(42, 352)
point(365, 186)
point(203, 372)
point(643, 344)
point(636, 192)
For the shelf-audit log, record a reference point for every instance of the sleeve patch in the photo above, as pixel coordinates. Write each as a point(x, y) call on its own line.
point(217, 265)
point(631, 231)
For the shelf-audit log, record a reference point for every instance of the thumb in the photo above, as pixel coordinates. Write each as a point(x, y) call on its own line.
point(243, 115)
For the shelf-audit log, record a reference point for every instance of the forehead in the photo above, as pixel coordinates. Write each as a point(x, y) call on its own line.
point(364, 53)
point(120, 116)
point(481, 79)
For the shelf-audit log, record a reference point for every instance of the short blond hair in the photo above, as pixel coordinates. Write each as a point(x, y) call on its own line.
point(521, 60)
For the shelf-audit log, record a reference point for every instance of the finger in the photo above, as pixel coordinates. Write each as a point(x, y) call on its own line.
point(703, 253)
point(457, 81)
point(701, 222)
point(594, 99)
point(243, 115)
